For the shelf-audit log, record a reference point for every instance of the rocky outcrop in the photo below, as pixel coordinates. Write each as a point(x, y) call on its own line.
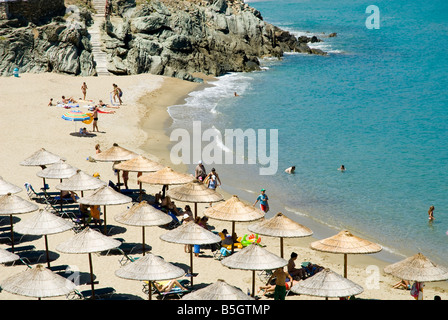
point(179, 38)
point(59, 46)
point(175, 38)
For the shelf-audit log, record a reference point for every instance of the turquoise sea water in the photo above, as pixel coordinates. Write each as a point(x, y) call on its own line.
point(377, 104)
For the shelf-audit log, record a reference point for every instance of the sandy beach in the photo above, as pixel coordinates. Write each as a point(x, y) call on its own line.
point(28, 124)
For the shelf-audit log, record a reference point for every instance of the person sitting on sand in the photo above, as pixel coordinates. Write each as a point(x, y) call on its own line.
point(97, 148)
point(69, 100)
point(402, 284)
point(293, 271)
point(51, 102)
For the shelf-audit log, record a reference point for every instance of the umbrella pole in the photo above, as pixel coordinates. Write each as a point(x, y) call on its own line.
point(281, 247)
point(105, 225)
point(141, 192)
point(233, 232)
point(46, 249)
point(191, 266)
point(149, 290)
point(91, 276)
point(143, 239)
point(345, 265)
point(195, 210)
point(253, 284)
point(12, 234)
point(118, 179)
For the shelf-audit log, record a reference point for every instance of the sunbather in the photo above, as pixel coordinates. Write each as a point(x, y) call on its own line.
point(167, 286)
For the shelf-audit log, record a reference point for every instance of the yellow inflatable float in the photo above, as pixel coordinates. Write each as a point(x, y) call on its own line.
point(89, 121)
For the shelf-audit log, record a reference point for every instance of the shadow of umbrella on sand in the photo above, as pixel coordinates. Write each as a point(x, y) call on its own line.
point(105, 196)
point(143, 215)
point(234, 210)
point(254, 257)
point(328, 284)
point(12, 204)
point(88, 241)
point(7, 187)
point(139, 164)
point(345, 243)
point(220, 290)
point(280, 226)
point(190, 233)
point(150, 268)
point(44, 223)
point(195, 192)
point(38, 282)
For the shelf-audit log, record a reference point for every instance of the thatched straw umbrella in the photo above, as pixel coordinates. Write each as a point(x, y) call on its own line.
point(105, 196)
point(254, 257)
point(328, 284)
point(38, 282)
point(234, 210)
point(41, 158)
point(80, 181)
point(417, 268)
point(150, 268)
point(115, 154)
point(190, 233)
point(220, 290)
point(166, 177)
point(88, 241)
point(280, 226)
point(59, 170)
point(143, 215)
point(196, 192)
point(44, 223)
point(11, 204)
point(139, 164)
point(6, 256)
point(346, 243)
point(7, 187)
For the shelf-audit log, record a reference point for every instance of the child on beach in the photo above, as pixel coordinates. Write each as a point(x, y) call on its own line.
point(263, 198)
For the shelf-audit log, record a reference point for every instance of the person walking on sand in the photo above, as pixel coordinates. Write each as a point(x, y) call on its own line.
point(95, 119)
point(84, 90)
point(431, 213)
point(263, 198)
point(117, 93)
point(199, 172)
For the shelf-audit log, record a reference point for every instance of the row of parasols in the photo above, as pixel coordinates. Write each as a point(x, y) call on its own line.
point(234, 210)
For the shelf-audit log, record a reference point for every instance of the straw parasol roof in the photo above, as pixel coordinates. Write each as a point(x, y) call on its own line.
point(220, 290)
point(6, 187)
point(280, 226)
point(105, 196)
point(139, 164)
point(150, 268)
point(254, 257)
point(166, 176)
point(417, 268)
point(58, 170)
point(41, 157)
point(80, 181)
point(346, 243)
point(44, 223)
point(234, 210)
point(115, 153)
point(327, 283)
point(38, 282)
point(190, 233)
point(6, 256)
point(88, 241)
point(196, 192)
point(12, 204)
point(143, 215)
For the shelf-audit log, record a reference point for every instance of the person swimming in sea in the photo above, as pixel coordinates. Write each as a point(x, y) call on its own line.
point(342, 168)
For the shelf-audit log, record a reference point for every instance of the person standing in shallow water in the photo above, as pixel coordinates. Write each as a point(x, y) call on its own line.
point(431, 213)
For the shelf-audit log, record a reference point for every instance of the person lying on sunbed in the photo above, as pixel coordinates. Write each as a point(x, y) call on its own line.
point(167, 286)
